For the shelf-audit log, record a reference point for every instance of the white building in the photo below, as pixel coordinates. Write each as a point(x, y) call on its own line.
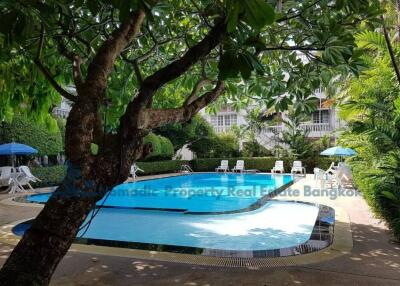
point(322, 122)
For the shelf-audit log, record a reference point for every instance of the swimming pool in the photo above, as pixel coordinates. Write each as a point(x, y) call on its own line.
point(206, 192)
point(182, 214)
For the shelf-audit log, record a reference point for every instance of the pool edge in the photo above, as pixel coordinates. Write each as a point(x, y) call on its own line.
point(342, 244)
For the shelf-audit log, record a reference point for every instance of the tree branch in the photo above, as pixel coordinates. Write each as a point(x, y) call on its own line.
point(294, 48)
point(136, 68)
point(197, 87)
point(102, 64)
point(297, 14)
point(46, 72)
point(75, 59)
point(53, 82)
point(178, 67)
point(136, 61)
point(390, 49)
point(159, 117)
point(136, 111)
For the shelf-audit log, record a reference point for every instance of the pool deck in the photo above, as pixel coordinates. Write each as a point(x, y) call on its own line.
point(365, 254)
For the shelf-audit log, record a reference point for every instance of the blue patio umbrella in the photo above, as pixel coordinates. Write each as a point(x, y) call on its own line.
point(338, 151)
point(13, 149)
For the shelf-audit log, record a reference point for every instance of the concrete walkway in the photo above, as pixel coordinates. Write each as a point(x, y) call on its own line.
point(373, 260)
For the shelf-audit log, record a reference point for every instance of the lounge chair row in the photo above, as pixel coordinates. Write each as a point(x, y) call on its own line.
point(278, 167)
point(239, 167)
point(297, 168)
point(16, 178)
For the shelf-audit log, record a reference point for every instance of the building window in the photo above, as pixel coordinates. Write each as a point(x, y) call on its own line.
point(227, 120)
point(320, 116)
point(220, 120)
point(223, 122)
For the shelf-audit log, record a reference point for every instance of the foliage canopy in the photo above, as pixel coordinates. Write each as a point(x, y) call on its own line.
point(265, 40)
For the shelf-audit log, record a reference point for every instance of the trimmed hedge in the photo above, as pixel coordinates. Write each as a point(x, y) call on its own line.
point(264, 164)
point(53, 176)
point(160, 167)
point(49, 176)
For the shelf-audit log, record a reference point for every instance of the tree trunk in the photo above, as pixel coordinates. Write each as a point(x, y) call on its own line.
point(90, 176)
point(37, 255)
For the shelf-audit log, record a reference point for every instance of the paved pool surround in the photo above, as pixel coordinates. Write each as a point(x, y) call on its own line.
point(311, 250)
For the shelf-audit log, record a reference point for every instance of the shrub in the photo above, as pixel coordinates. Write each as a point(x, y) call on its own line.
point(49, 176)
point(202, 147)
point(222, 145)
point(23, 130)
point(160, 167)
point(226, 145)
point(162, 147)
point(254, 149)
point(154, 140)
point(53, 176)
point(181, 134)
point(167, 149)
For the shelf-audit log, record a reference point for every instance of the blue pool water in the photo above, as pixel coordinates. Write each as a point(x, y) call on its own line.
point(206, 192)
point(273, 226)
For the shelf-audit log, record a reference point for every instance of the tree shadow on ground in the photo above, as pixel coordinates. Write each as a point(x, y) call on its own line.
point(374, 260)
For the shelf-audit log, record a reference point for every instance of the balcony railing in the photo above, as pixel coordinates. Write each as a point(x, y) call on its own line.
point(316, 127)
point(308, 127)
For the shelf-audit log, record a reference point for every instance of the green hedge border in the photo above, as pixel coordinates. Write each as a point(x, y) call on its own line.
point(263, 164)
point(53, 176)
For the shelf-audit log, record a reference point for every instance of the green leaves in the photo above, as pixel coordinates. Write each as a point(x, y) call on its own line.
point(232, 63)
point(233, 15)
point(255, 13)
point(228, 65)
point(337, 52)
point(258, 13)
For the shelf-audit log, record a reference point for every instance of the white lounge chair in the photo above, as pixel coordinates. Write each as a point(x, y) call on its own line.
point(223, 167)
point(8, 178)
point(23, 178)
point(319, 174)
point(298, 168)
point(331, 170)
point(5, 177)
point(344, 177)
point(330, 176)
point(28, 173)
point(278, 168)
point(239, 166)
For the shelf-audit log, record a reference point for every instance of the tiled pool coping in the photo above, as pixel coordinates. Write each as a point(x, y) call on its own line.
point(342, 244)
point(321, 237)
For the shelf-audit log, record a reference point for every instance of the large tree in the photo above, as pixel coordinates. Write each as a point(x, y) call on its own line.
point(117, 60)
